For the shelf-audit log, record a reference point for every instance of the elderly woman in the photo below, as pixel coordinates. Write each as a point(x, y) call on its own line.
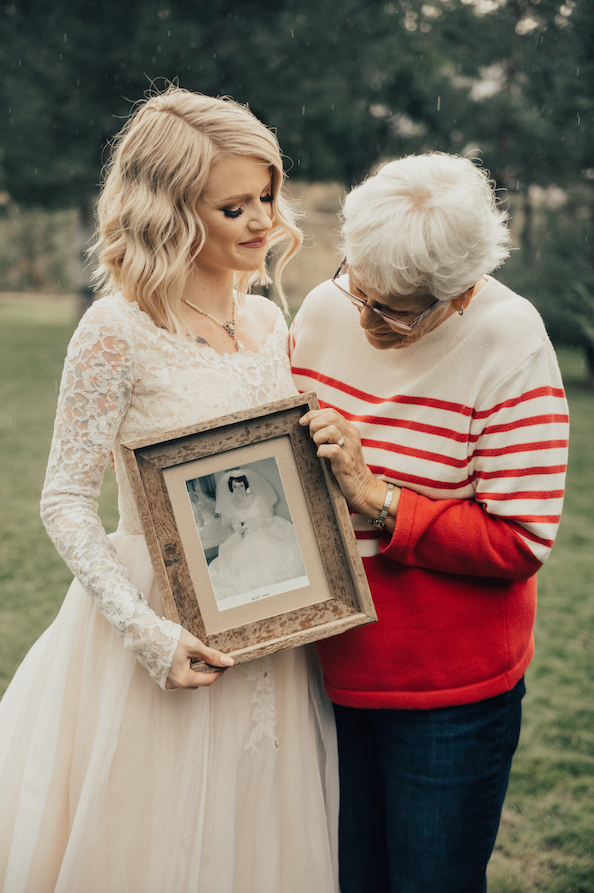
point(445, 423)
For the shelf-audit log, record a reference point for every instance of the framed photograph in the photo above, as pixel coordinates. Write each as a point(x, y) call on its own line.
point(248, 531)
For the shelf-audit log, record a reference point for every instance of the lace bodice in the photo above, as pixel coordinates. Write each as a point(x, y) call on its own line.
point(125, 378)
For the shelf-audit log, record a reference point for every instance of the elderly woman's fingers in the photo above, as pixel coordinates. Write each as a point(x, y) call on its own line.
point(339, 442)
point(328, 426)
point(329, 434)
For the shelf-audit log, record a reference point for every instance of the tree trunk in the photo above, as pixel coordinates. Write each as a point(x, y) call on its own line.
point(84, 237)
point(589, 351)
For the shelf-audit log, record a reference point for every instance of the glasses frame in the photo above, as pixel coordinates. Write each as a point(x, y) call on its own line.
point(394, 323)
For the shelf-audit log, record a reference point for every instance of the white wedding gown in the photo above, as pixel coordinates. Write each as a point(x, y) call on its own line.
point(109, 783)
point(265, 554)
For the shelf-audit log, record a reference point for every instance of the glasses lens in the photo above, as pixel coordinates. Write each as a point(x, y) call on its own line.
point(359, 302)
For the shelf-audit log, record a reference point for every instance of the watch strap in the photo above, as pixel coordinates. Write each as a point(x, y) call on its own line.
point(380, 521)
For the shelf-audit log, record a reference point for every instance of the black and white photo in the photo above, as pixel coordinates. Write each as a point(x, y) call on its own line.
point(247, 533)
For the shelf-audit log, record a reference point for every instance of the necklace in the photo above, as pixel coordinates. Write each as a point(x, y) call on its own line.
point(228, 326)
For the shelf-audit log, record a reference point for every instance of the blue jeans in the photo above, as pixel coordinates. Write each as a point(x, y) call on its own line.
point(421, 793)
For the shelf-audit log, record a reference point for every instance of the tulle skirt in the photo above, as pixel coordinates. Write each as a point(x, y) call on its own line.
point(110, 785)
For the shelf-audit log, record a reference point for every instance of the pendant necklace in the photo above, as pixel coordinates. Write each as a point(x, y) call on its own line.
point(228, 326)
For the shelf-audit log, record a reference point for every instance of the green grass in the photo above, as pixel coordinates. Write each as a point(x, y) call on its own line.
point(546, 841)
point(33, 578)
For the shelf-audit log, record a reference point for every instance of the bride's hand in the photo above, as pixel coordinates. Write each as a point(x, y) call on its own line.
point(189, 649)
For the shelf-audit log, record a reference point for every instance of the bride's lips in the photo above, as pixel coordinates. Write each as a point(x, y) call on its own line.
point(254, 243)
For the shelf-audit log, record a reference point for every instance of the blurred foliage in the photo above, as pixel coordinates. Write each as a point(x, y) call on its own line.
point(554, 271)
point(36, 249)
point(345, 83)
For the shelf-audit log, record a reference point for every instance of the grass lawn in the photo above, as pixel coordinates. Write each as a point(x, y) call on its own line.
point(546, 841)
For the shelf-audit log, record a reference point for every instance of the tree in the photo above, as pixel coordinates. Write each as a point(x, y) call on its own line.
point(345, 83)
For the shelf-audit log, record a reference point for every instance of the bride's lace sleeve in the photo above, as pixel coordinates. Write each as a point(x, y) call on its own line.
point(94, 396)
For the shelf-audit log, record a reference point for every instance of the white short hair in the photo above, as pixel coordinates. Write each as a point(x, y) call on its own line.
point(426, 221)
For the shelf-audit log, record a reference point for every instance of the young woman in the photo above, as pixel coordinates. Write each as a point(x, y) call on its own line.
point(114, 773)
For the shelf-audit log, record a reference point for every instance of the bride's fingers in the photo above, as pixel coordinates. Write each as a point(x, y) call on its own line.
point(189, 649)
point(191, 679)
point(211, 656)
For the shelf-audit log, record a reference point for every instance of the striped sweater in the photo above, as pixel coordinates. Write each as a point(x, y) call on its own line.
point(471, 421)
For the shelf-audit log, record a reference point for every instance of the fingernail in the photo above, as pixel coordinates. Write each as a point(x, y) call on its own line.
point(227, 661)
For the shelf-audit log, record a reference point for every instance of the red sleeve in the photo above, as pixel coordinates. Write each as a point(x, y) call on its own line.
point(457, 537)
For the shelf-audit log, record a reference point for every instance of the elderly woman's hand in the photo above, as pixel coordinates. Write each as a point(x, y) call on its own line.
point(339, 441)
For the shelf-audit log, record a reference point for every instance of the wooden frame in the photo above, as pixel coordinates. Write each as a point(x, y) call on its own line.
point(326, 595)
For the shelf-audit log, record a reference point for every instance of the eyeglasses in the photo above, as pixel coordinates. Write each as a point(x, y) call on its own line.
point(391, 320)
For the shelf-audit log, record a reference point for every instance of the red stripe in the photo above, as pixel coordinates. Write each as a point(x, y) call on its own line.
point(451, 434)
point(399, 476)
point(529, 534)
point(460, 437)
point(522, 448)
point(524, 423)
point(519, 472)
point(372, 398)
point(546, 391)
point(446, 405)
point(409, 451)
point(537, 519)
point(518, 494)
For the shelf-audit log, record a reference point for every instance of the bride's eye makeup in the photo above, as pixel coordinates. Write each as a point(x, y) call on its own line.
point(233, 213)
point(229, 212)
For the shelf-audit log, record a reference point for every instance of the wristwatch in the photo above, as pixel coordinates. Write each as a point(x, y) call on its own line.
point(381, 520)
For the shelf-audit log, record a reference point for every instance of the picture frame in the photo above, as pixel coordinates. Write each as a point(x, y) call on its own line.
point(248, 531)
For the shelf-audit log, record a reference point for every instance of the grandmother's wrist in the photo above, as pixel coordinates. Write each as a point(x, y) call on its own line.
point(380, 504)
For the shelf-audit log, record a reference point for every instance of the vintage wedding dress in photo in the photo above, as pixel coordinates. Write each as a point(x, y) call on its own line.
point(264, 550)
point(109, 783)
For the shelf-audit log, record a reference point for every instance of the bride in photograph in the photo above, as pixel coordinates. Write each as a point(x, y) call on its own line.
point(121, 768)
point(263, 549)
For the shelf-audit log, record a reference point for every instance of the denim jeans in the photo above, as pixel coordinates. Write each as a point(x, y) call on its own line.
point(421, 793)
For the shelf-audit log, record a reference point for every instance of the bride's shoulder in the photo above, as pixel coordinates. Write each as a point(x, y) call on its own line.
point(263, 311)
point(108, 319)
point(111, 308)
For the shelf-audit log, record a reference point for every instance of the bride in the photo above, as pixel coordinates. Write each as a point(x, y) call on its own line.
point(121, 768)
point(263, 550)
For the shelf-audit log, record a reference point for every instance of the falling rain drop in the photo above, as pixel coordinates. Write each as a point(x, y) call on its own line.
point(438, 103)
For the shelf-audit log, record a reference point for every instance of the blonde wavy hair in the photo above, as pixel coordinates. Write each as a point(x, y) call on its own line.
point(149, 229)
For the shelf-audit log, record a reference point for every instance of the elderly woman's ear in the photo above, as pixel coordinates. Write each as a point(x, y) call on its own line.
point(462, 301)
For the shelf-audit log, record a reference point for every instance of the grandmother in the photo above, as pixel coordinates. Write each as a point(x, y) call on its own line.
point(445, 422)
